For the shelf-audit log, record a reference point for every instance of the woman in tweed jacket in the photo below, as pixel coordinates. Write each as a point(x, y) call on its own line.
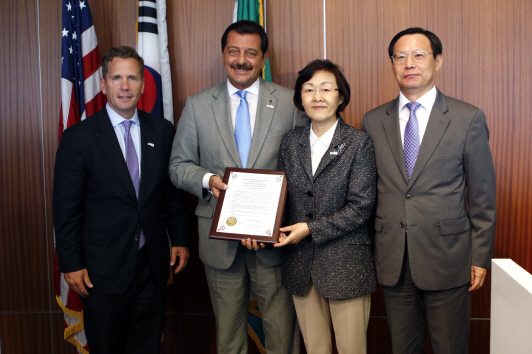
point(331, 175)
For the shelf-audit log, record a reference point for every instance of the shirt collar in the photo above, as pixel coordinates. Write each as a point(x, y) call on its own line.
point(253, 89)
point(117, 118)
point(325, 138)
point(426, 101)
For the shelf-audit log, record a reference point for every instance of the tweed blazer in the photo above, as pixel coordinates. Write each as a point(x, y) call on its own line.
point(337, 204)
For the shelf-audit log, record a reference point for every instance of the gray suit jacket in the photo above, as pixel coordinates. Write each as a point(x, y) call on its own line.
point(337, 204)
point(448, 205)
point(205, 142)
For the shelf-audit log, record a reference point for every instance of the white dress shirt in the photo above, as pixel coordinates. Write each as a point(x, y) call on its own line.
point(320, 145)
point(422, 113)
point(120, 131)
point(252, 97)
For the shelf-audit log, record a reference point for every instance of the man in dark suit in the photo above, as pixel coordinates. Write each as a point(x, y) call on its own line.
point(435, 221)
point(210, 137)
point(116, 214)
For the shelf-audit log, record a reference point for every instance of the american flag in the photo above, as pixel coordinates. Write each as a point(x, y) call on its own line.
point(81, 97)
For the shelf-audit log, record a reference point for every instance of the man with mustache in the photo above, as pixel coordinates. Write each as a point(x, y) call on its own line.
point(436, 212)
point(238, 123)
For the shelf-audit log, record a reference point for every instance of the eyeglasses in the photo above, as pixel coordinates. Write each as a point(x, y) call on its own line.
point(311, 92)
point(418, 56)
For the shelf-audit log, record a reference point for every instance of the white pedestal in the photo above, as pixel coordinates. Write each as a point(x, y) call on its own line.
point(511, 308)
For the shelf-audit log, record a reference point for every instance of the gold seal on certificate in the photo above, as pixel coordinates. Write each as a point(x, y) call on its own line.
point(251, 207)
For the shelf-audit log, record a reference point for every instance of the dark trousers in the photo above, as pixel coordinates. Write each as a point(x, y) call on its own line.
point(410, 309)
point(131, 322)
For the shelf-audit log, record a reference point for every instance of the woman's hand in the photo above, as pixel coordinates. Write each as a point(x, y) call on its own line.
point(297, 232)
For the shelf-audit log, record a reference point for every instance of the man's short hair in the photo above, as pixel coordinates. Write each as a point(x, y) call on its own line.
point(322, 65)
point(435, 42)
point(247, 27)
point(124, 52)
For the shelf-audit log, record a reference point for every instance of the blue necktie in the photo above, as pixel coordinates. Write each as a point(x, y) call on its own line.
point(411, 142)
point(243, 129)
point(132, 162)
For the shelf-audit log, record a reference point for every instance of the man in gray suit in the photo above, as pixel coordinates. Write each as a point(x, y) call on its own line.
point(435, 221)
point(212, 135)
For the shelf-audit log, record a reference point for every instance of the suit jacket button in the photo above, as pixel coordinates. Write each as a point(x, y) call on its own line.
point(136, 238)
point(408, 197)
point(309, 193)
point(402, 224)
point(309, 215)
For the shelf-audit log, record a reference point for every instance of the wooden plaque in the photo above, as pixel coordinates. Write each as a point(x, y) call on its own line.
point(252, 207)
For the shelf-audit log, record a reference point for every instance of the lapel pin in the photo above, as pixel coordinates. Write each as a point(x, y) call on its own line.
point(338, 147)
point(270, 104)
point(151, 144)
point(334, 152)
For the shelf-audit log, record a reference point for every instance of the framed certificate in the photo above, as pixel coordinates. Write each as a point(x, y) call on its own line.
point(251, 207)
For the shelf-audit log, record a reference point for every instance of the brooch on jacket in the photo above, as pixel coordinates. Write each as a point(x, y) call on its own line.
point(339, 149)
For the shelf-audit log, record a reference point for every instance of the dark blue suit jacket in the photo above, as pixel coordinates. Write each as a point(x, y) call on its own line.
point(97, 217)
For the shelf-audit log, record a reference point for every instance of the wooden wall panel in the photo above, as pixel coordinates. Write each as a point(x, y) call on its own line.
point(295, 33)
point(25, 333)
point(476, 38)
point(114, 22)
point(486, 62)
point(50, 53)
point(23, 257)
point(379, 340)
point(195, 30)
point(511, 125)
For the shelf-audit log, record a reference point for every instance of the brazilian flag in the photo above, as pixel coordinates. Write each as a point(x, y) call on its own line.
point(253, 10)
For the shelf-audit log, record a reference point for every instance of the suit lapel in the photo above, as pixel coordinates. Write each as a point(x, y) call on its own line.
point(106, 138)
point(303, 151)
point(336, 148)
point(148, 157)
point(393, 134)
point(222, 116)
point(266, 107)
point(436, 127)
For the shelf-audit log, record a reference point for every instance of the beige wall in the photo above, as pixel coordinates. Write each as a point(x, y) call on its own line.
point(486, 62)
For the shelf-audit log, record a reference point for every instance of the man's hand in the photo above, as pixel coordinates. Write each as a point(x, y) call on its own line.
point(182, 253)
point(216, 185)
point(477, 278)
point(78, 280)
point(252, 245)
point(297, 233)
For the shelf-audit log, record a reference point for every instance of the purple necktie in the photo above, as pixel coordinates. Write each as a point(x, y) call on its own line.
point(132, 162)
point(411, 142)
